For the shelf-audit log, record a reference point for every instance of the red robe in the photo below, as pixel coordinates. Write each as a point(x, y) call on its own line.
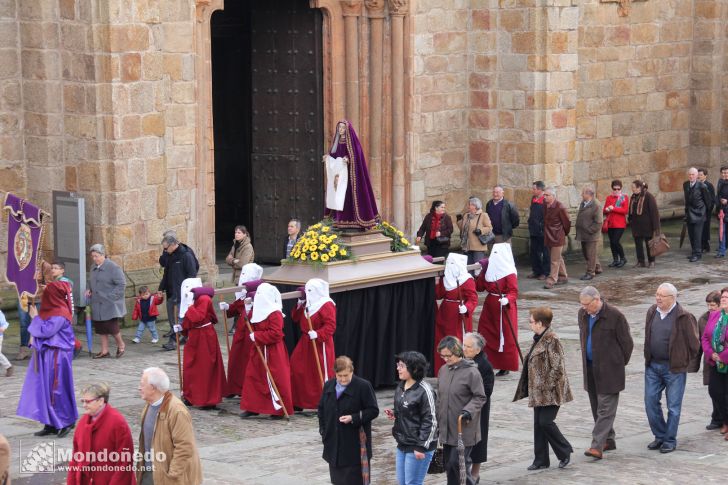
point(108, 432)
point(489, 324)
point(203, 368)
point(448, 318)
point(305, 378)
point(256, 391)
point(239, 350)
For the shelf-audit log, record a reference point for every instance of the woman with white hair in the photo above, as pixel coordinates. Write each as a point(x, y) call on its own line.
point(259, 392)
point(474, 227)
point(316, 316)
point(106, 291)
point(454, 315)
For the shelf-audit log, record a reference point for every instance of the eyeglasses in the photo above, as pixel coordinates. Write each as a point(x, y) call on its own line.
point(401, 365)
point(89, 401)
point(446, 356)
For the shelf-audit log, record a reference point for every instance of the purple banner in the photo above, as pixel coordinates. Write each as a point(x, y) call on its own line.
point(25, 228)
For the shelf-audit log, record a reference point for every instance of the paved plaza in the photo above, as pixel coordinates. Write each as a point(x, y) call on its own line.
point(261, 451)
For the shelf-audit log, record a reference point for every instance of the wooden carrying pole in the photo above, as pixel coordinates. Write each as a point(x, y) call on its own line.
point(179, 356)
point(315, 349)
point(267, 370)
point(224, 322)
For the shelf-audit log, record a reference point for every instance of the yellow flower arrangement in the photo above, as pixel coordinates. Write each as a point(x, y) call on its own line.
point(399, 242)
point(320, 243)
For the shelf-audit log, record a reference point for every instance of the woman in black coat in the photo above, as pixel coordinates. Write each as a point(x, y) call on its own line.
point(644, 220)
point(347, 405)
point(473, 344)
point(437, 237)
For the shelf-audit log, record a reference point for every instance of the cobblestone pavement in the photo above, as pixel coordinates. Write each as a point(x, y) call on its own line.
point(260, 451)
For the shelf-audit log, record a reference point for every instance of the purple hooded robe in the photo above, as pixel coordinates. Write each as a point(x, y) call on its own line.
point(48, 395)
point(360, 206)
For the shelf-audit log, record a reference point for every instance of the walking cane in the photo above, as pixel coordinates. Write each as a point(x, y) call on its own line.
point(315, 349)
point(510, 324)
point(179, 357)
point(224, 322)
point(267, 370)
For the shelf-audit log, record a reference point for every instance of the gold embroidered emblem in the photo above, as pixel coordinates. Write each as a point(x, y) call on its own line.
point(23, 246)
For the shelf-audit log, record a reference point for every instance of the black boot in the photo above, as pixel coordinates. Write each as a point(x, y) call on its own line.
point(622, 262)
point(47, 429)
point(614, 264)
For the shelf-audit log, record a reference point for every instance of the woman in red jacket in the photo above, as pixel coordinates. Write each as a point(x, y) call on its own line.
point(103, 449)
point(615, 220)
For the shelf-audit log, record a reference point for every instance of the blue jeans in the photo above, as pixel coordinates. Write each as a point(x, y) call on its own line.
point(658, 378)
point(721, 248)
point(25, 319)
point(410, 470)
point(151, 325)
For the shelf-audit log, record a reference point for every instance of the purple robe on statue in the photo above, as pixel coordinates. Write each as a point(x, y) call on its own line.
point(48, 395)
point(360, 206)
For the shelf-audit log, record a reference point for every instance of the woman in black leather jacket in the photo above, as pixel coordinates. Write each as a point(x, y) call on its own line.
point(415, 422)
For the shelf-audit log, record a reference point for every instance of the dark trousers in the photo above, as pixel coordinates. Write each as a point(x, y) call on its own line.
point(604, 410)
point(589, 251)
point(640, 245)
point(540, 256)
point(345, 475)
point(695, 232)
point(172, 315)
point(545, 433)
point(437, 250)
point(452, 464)
point(718, 390)
point(614, 237)
point(706, 234)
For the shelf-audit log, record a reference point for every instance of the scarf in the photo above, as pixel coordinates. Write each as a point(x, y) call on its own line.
point(718, 341)
point(637, 204)
point(435, 225)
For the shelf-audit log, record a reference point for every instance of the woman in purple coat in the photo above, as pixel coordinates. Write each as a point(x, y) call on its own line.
point(48, 394)
point(715, 348)
point(346, 170)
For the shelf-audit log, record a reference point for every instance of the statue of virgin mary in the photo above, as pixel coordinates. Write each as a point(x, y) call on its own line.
point(349, 197)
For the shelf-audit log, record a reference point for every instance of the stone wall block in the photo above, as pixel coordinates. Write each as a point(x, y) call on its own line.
point(153, 124)
point(128, 38)
point(131, 67)
point(38, 35)
point(175, 37)
point(11, 178)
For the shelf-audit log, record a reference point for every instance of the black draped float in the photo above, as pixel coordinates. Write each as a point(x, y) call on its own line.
point(374, 324)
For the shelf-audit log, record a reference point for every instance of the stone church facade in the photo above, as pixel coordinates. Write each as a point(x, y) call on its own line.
point(113, 100)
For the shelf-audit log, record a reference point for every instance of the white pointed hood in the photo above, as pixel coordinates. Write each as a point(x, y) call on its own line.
point(250, 272)
point(267, 300)
point(186, 297)
point(456, 271)
point(317, 294)
point(500, 263)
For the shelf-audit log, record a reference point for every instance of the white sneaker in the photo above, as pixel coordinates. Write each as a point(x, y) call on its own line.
point(135, 340)
point(155, 340)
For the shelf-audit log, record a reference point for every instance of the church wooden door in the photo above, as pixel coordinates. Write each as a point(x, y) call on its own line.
point(287, 121)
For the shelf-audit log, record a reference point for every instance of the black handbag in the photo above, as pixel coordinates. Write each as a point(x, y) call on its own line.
point(442, 240)
point(486, 239)
point(437, 465)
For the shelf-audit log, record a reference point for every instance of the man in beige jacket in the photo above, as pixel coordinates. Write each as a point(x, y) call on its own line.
point(589, 231)
point(167, 434)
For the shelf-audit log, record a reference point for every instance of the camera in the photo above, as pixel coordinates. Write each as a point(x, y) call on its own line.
point(477, 231)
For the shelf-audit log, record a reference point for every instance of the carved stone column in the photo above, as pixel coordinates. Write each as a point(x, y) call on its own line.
point(352, 10)
point(398, 10)
point(375, 12)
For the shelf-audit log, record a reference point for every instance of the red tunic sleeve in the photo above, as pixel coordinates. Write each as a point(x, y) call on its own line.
point(236, 308)
point(272, 331)
point(440, 290)
point(298, 317)
point(509, 287)
point(327, 318)
point(480, 281)
point(469, 295)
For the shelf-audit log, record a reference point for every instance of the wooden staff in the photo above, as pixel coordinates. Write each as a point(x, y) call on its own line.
point(315, 349)
point(179, 356)
point(462, 318)
point(267, 370)
point(508, 322)
point(224, 322)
